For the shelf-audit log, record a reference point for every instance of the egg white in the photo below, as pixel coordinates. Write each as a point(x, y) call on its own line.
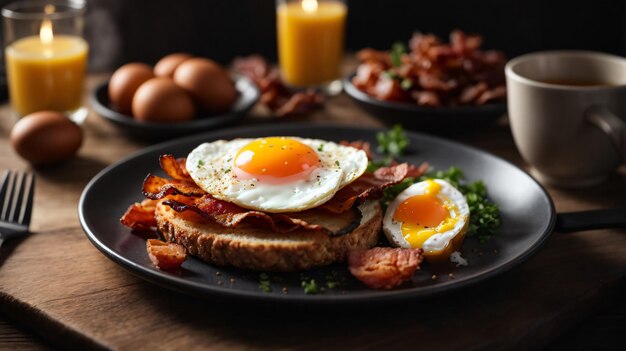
point(210, 166)
point(437, 242)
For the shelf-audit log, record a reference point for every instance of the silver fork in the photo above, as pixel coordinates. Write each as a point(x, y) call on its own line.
point(16, 204)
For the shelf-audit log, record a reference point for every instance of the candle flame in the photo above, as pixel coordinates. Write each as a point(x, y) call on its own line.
point(45, 33)
point(309, 5)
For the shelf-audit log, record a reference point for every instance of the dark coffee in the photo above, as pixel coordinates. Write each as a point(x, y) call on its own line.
point(578, 82)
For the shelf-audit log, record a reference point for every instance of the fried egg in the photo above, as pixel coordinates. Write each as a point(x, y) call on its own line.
point(431, 215)
point(275, 174)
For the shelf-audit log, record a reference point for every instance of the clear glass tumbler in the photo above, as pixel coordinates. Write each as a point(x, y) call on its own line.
point(311, 42)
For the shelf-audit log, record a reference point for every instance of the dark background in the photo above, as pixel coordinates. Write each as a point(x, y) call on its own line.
point(145, 30)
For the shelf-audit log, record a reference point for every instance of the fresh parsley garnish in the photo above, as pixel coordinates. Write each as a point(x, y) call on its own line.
point(337, 163)
point(264, 283)
point(392, 143)
point(397, 50)
point(310, 286)
point(406, 84)
point(200, 163)
point(320, 148)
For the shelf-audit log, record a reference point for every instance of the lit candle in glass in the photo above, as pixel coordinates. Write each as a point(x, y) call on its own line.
point(310, 41)
point(46, 69)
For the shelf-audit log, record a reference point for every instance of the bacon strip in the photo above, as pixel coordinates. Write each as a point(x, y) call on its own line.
point(370, 186)
point(175, 168)
point(140, 216)
point(414, 171)
point(156, 188)
point(384, 267)
point(166, 256)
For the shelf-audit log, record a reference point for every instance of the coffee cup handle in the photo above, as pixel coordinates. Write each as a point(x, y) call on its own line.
point(611, 125)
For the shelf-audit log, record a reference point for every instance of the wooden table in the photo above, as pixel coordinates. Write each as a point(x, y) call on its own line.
point(69, 294)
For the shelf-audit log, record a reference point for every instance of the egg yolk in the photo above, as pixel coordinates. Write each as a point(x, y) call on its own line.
point(424, 215)
point(275, 160)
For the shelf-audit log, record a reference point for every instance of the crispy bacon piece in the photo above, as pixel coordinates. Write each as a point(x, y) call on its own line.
point(156, 188)
point(426, 98)
point(300, 103)
point(415, 171)
point(368, 186)
point(166, 256)
point(361, 145)
point(470, 94)
point(274, 93)
point(462, 43)
point(175, 168)
point(388, 89)
point(435, 83)
point(254, 67)
point(140, 216)
point(373, 55)
point(384, 267)
point(496, 94)
point(366, 74)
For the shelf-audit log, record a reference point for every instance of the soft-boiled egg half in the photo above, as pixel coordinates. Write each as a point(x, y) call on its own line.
point(431, 215)
point(275, 174)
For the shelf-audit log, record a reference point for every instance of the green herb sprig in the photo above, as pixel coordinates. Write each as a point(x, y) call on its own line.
point(310, 286)
point(391, 144)
point(397, 50)
point(264, 282)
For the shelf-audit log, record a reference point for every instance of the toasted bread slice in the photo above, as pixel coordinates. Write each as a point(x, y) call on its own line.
point(250, 247)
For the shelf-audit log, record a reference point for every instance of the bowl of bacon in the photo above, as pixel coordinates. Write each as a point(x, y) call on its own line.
point(431, 85)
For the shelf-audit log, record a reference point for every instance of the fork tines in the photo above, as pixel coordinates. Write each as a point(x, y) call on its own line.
point(16, 197)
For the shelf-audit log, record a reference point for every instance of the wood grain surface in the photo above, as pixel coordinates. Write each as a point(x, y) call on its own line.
point(72, 296)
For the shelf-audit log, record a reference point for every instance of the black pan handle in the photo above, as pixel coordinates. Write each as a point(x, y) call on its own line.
point(589, 220)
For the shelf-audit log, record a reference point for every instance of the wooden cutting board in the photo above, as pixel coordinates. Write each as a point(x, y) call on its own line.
point(59, 285)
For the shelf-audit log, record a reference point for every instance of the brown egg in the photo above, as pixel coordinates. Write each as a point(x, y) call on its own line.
point(161, 100)
point(124, 83)
point(46, 137)
point(208, 83)
point(168, 64)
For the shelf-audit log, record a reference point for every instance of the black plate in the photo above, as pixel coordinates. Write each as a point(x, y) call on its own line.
point(439, 120)
point(248, 96)
point(527, 220)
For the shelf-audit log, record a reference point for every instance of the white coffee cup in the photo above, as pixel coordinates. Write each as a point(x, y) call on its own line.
point(567, 110)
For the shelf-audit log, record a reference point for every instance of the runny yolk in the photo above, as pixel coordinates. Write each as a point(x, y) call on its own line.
point(275, 160)
point(424, 215)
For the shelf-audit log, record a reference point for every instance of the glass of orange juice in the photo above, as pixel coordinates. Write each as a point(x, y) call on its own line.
point(46, 56)
point(311, 42)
